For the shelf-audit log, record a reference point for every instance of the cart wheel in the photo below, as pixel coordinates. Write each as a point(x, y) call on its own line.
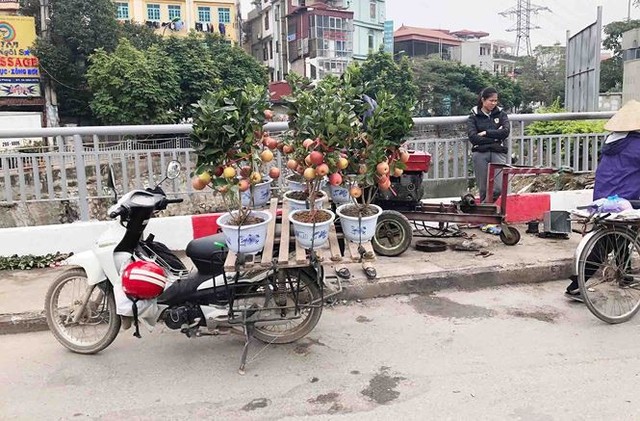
point(393, 234)
point(514, 234)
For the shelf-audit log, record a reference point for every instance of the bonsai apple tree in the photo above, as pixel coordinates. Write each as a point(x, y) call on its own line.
point(377, 154)
point(230, 144)
point(322, 123)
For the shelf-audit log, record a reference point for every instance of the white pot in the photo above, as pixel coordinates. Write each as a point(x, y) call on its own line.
point(302, 185)
point(306, 232)
point(340, 195)
point(261, 194)
point(248, 239)
point(295, 185)
point(302, 204)
point(357, 231)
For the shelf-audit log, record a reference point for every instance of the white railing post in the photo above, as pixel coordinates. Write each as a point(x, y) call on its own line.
point(81, 174)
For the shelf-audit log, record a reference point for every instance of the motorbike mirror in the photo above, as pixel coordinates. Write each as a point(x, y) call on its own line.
point(111, 181)
point(173, 170)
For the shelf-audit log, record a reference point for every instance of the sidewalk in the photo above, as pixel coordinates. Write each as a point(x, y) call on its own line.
point(534, 259)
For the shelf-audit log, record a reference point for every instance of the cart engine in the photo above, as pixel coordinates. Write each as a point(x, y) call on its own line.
point(406, 190)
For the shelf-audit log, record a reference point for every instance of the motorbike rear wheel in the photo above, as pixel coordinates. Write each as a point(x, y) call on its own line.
point(99, 324)
point(310, 311)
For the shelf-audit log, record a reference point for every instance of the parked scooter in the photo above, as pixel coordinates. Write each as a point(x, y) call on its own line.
point(127, 280)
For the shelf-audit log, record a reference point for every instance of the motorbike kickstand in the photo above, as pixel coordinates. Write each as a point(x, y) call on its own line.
point(248, 335)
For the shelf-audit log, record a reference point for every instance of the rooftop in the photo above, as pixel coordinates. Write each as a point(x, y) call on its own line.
point(408, 33)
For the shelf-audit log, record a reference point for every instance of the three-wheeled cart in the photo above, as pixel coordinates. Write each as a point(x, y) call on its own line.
point(403, 207)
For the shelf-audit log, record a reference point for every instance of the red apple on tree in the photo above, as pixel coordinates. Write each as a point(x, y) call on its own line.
point(335, 179)
point(243, 185)
point(274, 172)
point(322, 170)
point(316, 158)
point(292, 164)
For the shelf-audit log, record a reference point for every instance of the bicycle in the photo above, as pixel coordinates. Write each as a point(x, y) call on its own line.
point(607, 263)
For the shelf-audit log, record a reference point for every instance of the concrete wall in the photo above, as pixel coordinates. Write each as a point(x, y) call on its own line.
point(631, 51)
point(610, 101)
point(470, 53)
point(631, 81)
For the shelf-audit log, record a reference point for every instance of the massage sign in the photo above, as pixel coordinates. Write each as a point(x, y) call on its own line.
point(19, 69)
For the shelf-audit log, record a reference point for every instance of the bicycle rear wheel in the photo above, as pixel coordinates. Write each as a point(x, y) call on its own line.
point(609, 274)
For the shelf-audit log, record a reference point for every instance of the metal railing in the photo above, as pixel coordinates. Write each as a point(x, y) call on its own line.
point(72, 166)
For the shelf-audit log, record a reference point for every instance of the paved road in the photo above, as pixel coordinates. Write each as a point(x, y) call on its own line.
point(520, 353)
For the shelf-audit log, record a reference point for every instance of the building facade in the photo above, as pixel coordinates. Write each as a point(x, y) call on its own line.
point(631, 57)
point(467, 47)
point(264, 30)
point(368, 25)
point(425, 42)
point(312, 40)
point(178, 17)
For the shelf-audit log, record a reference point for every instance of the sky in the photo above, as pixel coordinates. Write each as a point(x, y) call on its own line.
point(478, 15)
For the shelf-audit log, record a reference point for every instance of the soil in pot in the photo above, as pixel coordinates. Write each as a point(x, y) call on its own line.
point(359, 211)
point(310, 217)
point(300, 195)
point(297, 178)
point(247, 220)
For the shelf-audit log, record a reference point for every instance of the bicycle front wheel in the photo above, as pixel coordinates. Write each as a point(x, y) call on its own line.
point(609, 274)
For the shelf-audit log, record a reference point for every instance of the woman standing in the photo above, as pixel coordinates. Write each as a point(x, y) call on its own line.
point(488, 127)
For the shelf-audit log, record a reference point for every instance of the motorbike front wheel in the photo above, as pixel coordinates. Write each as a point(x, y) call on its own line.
point(96, 327)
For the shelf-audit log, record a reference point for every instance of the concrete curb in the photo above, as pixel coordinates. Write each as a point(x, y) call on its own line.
point(22, 322)
point(469, 279)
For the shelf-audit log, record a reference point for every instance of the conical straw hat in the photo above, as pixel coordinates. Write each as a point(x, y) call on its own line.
point(627, 119)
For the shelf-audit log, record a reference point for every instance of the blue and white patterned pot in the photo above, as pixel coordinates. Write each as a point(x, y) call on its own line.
point(295, 185)
point(302, 185)
point(340, 195)
point(302, 204)
point(261, 194)
point(306, 232)
point(355, 231)
point(248, 239)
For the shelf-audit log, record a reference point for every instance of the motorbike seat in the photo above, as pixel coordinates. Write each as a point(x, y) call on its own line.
point(206, 255)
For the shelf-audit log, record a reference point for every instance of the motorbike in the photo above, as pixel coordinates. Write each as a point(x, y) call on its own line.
point(96, 297)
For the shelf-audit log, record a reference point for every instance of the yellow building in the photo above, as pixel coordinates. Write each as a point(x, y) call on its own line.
point(178, 17)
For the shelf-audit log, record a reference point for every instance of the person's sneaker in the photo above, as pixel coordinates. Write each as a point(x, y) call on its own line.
point(574, 294)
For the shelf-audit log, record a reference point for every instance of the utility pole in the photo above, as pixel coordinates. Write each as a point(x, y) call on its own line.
point(522, 12)
point(284, 37)
point(50, 98)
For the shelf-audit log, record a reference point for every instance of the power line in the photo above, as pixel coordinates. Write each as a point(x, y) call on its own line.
point(57, 81)
point(523, 11)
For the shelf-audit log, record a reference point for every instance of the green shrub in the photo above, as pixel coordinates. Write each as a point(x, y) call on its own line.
point(541, 128)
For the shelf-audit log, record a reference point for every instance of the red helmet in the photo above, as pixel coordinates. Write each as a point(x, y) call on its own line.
point(143, 280)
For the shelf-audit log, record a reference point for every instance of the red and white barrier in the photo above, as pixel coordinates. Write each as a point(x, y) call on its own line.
point(177, 231)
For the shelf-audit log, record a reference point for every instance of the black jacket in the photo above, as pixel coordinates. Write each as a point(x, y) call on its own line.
point(496, 125)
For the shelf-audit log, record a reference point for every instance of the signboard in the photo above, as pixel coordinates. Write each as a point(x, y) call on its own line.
point(582, 90)
point(19, 69)
point(388, 36)
point(19, 120)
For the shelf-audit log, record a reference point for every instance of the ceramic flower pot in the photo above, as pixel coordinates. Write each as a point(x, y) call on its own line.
point(295, 204)
point(309, 234)
point(340, 195)
point(248, 239)
point(293, 185)
point(358, 229)
point(261, 194)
